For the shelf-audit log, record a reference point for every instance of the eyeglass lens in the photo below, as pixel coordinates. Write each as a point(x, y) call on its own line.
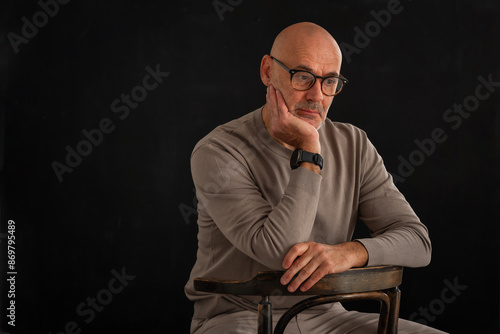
point(304, 80)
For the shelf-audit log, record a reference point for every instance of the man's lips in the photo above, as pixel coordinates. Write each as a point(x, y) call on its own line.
point(308, 112)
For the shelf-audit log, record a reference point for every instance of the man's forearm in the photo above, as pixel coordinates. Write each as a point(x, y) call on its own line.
point(408, 246)
point(261, 231)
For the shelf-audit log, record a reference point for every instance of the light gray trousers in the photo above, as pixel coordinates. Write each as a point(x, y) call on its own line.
point(336, 320)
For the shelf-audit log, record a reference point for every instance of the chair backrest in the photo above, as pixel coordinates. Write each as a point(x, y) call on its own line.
point(377, 283)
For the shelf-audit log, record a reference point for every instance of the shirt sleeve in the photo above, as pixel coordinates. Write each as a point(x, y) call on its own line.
point(398, 235)
point(229, 197)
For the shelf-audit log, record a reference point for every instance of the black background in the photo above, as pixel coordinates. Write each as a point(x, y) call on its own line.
point(129, 204)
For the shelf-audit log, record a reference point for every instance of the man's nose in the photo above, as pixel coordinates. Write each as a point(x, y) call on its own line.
point(315, 93)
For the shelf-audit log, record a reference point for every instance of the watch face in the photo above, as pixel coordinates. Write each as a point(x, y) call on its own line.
point(299, 156)
point(296, 159)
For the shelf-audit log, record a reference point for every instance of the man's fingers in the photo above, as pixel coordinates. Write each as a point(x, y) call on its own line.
point(280, 102)
point(306, 264)
point(271, 98)
point(294, 252)
point(313, 279)
point(274, 112)
point(304, 275)
point(294, 261)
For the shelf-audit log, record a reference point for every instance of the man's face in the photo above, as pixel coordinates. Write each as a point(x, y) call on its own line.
point(310, 105)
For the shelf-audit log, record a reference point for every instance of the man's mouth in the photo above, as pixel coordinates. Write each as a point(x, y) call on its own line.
point(307, 112)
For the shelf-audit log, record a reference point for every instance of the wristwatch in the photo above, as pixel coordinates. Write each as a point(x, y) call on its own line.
point(299, 156)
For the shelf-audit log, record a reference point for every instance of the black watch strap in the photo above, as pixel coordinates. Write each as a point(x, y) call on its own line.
point(299, 156)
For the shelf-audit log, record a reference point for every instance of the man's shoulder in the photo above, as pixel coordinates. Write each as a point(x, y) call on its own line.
point(343, 130)
point(228, 133)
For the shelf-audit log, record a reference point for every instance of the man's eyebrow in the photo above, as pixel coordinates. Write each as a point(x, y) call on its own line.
point(307, 68)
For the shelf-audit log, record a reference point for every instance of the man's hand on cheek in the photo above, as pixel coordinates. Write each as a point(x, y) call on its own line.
point(286, 127)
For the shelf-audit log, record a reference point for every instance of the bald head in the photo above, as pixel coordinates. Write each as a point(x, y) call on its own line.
point(305, 47)
point(306, 37)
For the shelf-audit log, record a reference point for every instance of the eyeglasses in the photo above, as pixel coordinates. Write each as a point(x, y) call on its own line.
point(303, 80)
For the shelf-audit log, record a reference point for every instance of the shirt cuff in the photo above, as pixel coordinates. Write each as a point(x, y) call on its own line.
point(375, 253)
point(306, 180)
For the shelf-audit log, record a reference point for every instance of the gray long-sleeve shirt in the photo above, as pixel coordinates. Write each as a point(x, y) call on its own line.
point(253, 208)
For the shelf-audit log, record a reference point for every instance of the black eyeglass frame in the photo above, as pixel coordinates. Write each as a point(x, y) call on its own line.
point(316, 77)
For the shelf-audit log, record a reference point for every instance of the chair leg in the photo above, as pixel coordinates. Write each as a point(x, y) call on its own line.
point(346, 297)
point(265, 316)
point(395, 298)
point(383, 319)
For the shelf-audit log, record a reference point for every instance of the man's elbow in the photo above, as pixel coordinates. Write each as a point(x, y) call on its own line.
point(423, 254)
point(270, 249)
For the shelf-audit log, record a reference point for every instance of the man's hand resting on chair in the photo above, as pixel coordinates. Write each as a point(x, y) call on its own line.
point(315, 260)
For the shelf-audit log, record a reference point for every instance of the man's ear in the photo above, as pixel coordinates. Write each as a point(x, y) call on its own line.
point(265, 70)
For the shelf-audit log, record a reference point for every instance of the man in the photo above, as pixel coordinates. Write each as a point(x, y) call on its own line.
point(262, 208)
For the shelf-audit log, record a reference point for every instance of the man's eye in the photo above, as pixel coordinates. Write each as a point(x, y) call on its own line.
point(330, 81)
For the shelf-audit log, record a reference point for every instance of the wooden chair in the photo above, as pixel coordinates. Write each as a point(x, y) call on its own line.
point(369, 283)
